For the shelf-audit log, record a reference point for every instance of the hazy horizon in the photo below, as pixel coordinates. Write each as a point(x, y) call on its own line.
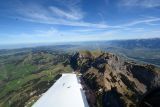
point(30, 45)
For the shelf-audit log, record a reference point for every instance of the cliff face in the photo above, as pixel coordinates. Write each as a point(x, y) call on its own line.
point(113, 82)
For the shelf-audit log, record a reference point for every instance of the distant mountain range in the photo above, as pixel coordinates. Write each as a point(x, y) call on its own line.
point(144, 50)
point(137, 43)
point(132, 43)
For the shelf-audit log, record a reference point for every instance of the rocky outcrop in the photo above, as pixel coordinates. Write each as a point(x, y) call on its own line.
point(115, 82)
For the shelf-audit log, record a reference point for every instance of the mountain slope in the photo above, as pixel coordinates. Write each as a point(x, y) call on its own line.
point(24, 77)
point(114, 82)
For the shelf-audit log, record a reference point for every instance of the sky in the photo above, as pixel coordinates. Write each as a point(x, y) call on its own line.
point(53, 21)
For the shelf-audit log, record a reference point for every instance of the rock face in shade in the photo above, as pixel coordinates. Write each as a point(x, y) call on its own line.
point(112, 81)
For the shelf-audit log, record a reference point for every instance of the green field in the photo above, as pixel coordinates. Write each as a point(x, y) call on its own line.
point(25, 76)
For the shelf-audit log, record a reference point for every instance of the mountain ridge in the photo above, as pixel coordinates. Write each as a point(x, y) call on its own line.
point(116, 83)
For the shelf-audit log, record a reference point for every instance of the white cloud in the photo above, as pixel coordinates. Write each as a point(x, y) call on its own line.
point(53, 35)
point(141, 21)
point(141, 3)
point(70, 15)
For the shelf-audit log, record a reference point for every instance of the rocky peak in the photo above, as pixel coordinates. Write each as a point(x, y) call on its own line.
point(115, 82)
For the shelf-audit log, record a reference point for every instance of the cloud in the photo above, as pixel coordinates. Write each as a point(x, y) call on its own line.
point(53, 35)
point(71, 16)
point(141, 21)
point(141, 3)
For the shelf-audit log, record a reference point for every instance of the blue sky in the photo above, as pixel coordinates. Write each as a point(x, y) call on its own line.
point(51, 21)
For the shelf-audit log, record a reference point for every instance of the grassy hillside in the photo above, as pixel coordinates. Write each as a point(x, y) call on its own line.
point(25, 76)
